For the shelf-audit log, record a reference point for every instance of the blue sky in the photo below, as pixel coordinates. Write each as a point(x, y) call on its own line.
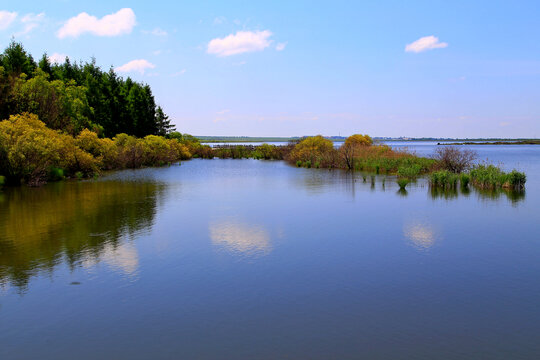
point(285, 68)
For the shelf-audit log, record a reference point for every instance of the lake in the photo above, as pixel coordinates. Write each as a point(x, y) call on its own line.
point(247, 259)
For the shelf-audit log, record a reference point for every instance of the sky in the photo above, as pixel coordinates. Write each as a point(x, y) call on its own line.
point(292, 68)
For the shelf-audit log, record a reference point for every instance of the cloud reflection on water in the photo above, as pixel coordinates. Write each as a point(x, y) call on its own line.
point(421, 235)
point(237, 237)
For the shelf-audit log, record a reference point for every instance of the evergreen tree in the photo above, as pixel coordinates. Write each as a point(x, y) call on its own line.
point(16, 60)
point(164, 126)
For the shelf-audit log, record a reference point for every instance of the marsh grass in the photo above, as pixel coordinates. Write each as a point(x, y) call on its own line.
point(485, 176)
point(443, 179)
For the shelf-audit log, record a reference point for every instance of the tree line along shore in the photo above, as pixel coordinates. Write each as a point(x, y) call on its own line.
point(69, 120)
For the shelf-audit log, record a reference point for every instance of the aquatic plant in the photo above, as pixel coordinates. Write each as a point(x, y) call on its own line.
point(402, 182)
point(464, 180)
point(444, 179)
point(409, 171)
point(486, 176)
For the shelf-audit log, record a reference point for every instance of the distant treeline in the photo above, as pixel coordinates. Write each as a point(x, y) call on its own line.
point(74, 96)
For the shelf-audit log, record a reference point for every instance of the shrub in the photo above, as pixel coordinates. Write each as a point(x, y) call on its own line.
point(299, 163)
point(56, 174)
point(2, 180)
point(28, 150)
point(314, 149)
point(453, 159)
point(402, 182)
point(516, 179)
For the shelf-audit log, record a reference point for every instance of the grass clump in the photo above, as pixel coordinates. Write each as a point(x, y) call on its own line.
point(492, 177)
point(464, 180)
point(444, 179)
point(409, 170)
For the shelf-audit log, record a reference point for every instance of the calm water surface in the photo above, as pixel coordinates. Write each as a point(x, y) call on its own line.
point(246, 259)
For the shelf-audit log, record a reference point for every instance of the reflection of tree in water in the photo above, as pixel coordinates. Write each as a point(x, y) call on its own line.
point(69, 222)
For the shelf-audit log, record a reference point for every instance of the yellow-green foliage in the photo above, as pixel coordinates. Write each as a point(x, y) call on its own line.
point(60, 105)
point(103, 150)
point(315, 149)
point(31, 152)
point(28, 149)
point(358, 139)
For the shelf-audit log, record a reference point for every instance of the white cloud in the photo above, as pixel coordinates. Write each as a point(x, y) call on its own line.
point(139, 66)
point(220, 20)
point(30, 21)
point(32, 18)
point(222, 112)
point(425, 43)
point(6, 18)
point(281, 46)
point(57, 58)
point(157, 32)
point(181, 72)
point(119, 23)
point(241, 42)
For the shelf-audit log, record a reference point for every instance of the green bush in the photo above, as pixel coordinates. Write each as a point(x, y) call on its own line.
point(409, 171)
point(55, 174)
point(79, 175)
point(2, 180)
point(299, 163)
point(517, 179)
point(402, 182)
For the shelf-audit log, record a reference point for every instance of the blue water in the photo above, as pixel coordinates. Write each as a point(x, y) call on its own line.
point(247, 259)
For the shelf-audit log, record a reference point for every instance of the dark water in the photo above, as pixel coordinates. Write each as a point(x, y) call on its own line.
point(246, 259)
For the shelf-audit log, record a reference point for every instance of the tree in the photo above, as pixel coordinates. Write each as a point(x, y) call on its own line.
point(453, 159)
point(16, 60)
point(45, 65)
point(349, 149)
point(164, 126)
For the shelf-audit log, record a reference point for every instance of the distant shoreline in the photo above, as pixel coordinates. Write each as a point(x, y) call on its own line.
point(507, 142)
point(446, 141)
